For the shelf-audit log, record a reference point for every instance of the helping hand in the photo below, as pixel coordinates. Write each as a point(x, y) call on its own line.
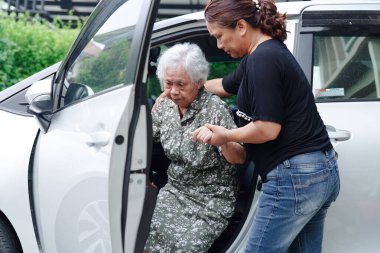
point(210, 134)
point(164, 94)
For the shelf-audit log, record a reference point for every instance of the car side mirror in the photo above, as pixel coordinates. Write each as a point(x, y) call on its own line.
point(76, 91)
point(39, 97)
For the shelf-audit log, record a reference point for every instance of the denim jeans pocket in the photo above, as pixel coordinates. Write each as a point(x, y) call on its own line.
point(310, 190)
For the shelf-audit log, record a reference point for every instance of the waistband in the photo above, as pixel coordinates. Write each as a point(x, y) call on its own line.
point(329, 154)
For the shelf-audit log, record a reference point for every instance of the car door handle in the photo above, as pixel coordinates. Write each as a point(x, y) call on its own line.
point(339, 135)
point(98, 139)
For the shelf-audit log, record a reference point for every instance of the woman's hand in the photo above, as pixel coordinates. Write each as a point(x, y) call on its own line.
point(210, 134)
point(164, 94)
point(233, 152)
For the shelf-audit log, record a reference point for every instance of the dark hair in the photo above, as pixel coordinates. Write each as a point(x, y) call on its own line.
point(261, 14)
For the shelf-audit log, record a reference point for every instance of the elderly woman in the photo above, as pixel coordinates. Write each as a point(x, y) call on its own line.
point(193, 208)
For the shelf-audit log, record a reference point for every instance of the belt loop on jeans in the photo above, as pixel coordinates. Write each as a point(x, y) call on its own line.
point(333, 153)
point(286, 163)
point(327, 152)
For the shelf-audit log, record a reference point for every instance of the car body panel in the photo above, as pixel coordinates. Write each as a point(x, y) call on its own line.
point(90, 127)
point(78, 146)
point(351, 223)
point(20, 132)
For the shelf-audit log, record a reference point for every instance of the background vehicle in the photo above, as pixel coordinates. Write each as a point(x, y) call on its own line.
point(76, 179)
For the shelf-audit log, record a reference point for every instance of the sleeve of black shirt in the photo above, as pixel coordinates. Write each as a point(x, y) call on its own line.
point(232, 81)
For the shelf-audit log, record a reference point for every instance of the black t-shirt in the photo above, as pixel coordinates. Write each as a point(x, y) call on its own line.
point(271, 86)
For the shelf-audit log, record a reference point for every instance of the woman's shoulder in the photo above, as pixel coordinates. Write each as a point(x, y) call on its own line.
point(272, 48)
point(272, 53)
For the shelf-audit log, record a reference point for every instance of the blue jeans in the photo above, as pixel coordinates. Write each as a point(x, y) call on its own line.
point(293, 203)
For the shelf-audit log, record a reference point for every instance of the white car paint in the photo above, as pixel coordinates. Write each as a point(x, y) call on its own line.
point(20, 133)
point(351, 225)
point(79, 164)
point(69, 185)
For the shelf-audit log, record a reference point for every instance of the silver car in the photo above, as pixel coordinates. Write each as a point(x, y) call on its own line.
point(76, 153)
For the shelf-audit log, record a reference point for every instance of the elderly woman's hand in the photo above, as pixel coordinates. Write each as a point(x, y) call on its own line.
point(210, 134)
point(201, 134)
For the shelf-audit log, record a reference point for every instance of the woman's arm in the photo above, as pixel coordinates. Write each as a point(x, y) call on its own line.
point(215, 86)
point(255, 132)
point(157, 116)
point(164, 94)
point(233, 152)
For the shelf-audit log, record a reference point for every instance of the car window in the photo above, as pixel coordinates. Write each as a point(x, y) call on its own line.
point(346, 67)
point(102, 64)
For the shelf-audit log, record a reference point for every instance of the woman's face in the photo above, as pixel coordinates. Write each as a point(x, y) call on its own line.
point(182, 91)
point(227, 39)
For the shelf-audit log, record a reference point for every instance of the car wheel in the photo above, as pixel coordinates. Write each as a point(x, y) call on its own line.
point(9, 242)
point(82, 223)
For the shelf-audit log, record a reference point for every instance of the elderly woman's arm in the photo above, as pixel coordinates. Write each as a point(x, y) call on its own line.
point(233, 152)
point(156, 122)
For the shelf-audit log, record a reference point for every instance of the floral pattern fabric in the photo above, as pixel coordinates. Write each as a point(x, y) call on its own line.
point(193, 208)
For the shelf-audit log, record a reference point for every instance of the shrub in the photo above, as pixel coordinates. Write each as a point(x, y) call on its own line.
point(28, 45)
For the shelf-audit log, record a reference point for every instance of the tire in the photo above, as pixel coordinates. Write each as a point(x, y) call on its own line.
point(82, 228)
point(9, 242)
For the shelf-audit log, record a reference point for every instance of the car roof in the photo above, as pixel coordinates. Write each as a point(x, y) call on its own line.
point(293, 9)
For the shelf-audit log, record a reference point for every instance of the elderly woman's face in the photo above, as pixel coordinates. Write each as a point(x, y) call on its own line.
point(182, 90)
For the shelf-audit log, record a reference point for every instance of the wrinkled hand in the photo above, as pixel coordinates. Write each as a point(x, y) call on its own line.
point(201, 134)
point(164, 94)
point(210, 134)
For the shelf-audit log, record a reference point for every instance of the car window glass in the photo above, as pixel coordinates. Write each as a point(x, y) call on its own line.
point(346, 67)
point(103, 61)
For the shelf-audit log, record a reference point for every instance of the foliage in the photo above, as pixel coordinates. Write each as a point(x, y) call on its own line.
point(105, 70)
point(30, 44)
point(221, 69)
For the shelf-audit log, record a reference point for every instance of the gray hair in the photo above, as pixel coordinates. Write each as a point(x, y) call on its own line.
point(188, 56)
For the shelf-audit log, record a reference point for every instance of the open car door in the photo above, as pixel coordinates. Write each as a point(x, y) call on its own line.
point(88, 171)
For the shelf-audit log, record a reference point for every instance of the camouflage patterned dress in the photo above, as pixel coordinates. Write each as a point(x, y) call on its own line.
point(193, 208)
